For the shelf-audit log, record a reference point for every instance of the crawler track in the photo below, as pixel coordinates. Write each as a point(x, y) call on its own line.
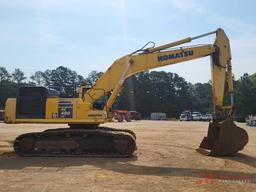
point(97, 142)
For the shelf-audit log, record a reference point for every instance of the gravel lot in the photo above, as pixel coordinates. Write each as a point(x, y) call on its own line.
point(166, 160)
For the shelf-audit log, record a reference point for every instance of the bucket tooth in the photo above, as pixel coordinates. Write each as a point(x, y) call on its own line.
point(223, 139)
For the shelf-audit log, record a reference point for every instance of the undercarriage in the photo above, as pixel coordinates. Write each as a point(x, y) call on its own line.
point(94, 142)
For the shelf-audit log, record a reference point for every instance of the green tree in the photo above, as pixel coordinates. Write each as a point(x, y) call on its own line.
point(93, 77)
point(4, 74)
point(64, 80)
point(47, 74)
point(18, 76)
point(38, 78)
point(245, 95)
point(155, 92)
point(203, 97)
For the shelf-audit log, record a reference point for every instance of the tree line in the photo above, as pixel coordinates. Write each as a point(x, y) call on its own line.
point(145, 92)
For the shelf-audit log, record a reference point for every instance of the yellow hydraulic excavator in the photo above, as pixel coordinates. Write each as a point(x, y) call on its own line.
point(93, 106)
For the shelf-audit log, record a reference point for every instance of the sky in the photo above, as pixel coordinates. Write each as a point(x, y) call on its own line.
point(90, 35)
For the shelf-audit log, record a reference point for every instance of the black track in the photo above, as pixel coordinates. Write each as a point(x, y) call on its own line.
point(97, 142)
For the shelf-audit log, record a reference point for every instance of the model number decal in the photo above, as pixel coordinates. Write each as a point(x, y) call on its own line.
point(65, 109)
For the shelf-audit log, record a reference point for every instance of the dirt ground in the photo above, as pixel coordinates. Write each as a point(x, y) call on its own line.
point(166, 160)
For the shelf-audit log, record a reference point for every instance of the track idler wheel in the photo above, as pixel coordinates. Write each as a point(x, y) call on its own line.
point(223, 139)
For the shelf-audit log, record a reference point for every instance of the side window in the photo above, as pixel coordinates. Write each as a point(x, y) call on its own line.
point(85, 89)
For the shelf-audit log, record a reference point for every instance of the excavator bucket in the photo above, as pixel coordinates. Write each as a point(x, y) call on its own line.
point(223, 139)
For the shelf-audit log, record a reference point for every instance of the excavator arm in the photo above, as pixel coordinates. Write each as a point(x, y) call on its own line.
point(129, 65)
point(121, 69)
point(224, 137)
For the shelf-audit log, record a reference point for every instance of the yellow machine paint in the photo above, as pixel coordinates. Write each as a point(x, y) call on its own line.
point(84, 109)
point(81, 113)
point(121, 69)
